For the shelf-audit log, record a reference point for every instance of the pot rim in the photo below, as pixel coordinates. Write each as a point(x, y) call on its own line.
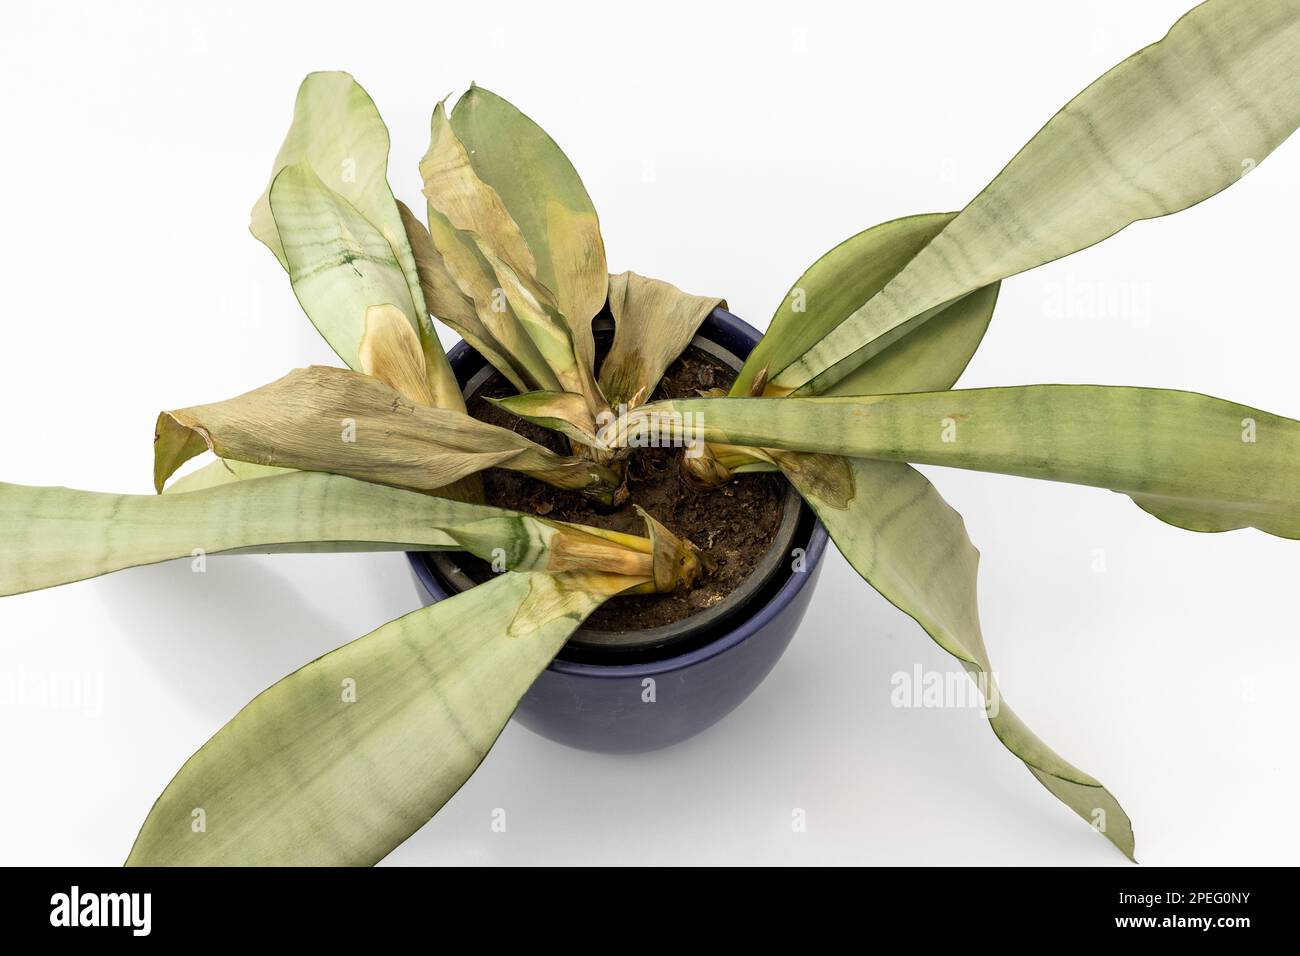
point(662, 639)
point(743, 626)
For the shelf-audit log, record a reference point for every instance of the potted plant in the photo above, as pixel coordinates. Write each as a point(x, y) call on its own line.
point(709, 646)
point(340, 761)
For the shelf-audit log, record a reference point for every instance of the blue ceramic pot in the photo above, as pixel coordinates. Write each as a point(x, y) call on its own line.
point(630, 707)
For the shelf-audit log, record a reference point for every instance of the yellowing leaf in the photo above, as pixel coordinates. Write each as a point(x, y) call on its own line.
point(390, 352)
point(547, 200)
point(334, 420)
point(654, 321)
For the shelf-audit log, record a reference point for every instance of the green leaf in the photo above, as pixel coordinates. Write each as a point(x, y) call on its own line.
point(338, 132)
point(1197, 462)
point(888, 521)
point(474, 210)
point(51, 536)
point(547, 199)
point(339, 264)
point(1170, 126)
point(930, 358)
point(654, 321)
point(455, 190)
point(336, 228)
point(222, 472)
point(342, 760)
point(906, 541)
point(335, 420)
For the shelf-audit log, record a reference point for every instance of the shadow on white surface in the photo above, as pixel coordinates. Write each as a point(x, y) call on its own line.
point(220, 637)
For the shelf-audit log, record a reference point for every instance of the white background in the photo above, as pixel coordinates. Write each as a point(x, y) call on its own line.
point(725, 149)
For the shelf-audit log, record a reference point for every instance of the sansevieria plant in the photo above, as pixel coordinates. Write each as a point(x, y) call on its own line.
point(851, 384)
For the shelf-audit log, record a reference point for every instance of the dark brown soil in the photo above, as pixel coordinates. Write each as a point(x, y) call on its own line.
point(732, 525)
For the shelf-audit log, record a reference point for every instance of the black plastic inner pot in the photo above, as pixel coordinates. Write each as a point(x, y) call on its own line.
point(626, 647)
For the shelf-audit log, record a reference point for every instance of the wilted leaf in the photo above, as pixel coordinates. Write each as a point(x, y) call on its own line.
point(533, 306)
point(547, 200)
point(334, 420)
point(455, 190)
point(474, 276)
point(390, 352)
point(563, 412)
point(446, 300)
point(473, 208)
point(653, 323)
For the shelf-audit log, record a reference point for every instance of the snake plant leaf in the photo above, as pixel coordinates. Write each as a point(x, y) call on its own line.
point(442, 296)
point(677, 561)
point(563, 412)
point(342, 269)
point(455, 190)
point(739, 460)
point(834, 286)
point(1172, 125)
point(912, 547)
point(342, 760)
point(532, 305)
point(473, 205)
point(222, 472)
point(336, 228)
point(501, 264)
point(390, 351)
point(447, 302)
point(469, 268)
point(337, 132)
point(343, 422)
point(547, 200)
point(932, 357)
point(888, 521)
point(1197, 462)
point(54, 536)
point(654, 321)
point(339, 264)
